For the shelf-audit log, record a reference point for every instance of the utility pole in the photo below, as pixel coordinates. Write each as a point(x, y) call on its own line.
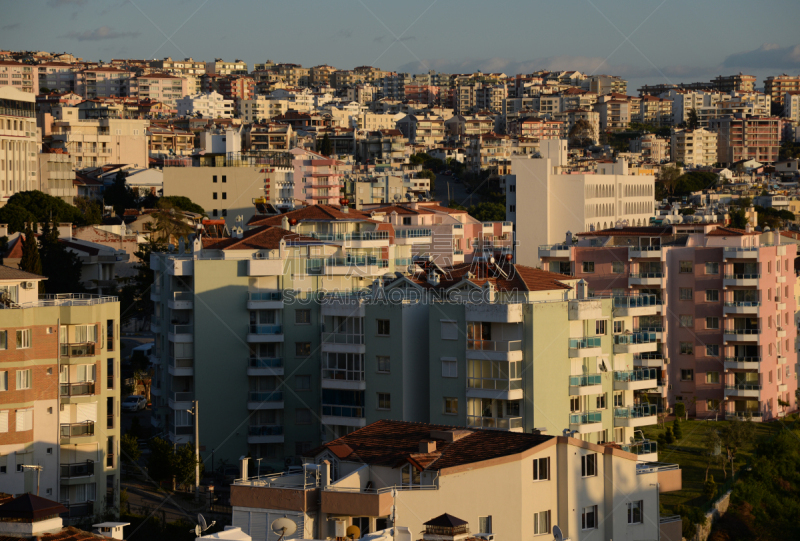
point(196, 451)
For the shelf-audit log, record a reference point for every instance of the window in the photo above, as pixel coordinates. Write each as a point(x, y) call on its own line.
point(686, 267)
point(110, 335)
point(601, 401)
point(302, 349)
point(712, 295)
point(406, 221)
point(541, 523)
point(712, 377)
point(224, 195)
point(302, 447)
point(3, 339)
point(302, 416)
point(214, 178)
point(687, 348)
point(619, 400)
point(619, 327)
point(224, 178)
point(712, 268)
point(589, 465)
point(485, 524)
point(214, 212)
point(383, 364)
point(449, 330)
point(589, 518)
point(685, 293)
point(3, 422)
point(574, 404)
point(302, 317)
point(635, 512)
point(617, 267)
point(687, 321)
point(383, 327)
point(600, 327)
point(449, 368)
point(712, 350)
point(384, 401)
point(302, 383)
point(587, 266)
point(687, 374)
point(24, 380)
point(23, 339)
point(712, 323)
point(3, 381)
point(451, 406)
point(214, 195)
point(24, 420)
point(712, 405)
point(224, 212)
point(541, 469)
point(410, 476)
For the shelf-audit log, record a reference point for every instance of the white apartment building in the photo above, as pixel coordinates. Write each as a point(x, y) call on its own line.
point(263, 108)
point(221, 141)
point(208, 105)
point(18, 142)
point(791, 106)
point(697, 148)
point(376, 121)
point(552, 203)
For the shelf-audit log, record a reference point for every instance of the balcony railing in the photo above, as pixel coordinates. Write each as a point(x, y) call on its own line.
point(183, 296)
point(584, 343)
point(743, 304)
point(635, 338)
point(492, 384)
point(742, 359)
point(75, 430)
point(647, 275)
point(585, 381)
point(77, 389)
point(342, 338)
point(356, 261)
point(77, 469)
point(555, 247)
point(266, 329)
point(585, 418)
point(353, 412)
point(644, 374)
point(641, 448)
point(183, 396)
point(266, 296)
point(412, 233)
point(742, 276)
point(503, 423)
point(363, 235)
point(405, 262)
point(742, 331)
point(181, 329)
point(649, 329)
point(86, 349)
point(744, 387)
point(266, 362)
point(266, 396)
point(77, 509)
point(265, 430)
point(743, 414)
point(636, 301)
point(636, 412)
point(495, 345)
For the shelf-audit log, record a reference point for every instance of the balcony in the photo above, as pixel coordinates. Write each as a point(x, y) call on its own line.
point(77, 353)
point(265, 366)
point(742, 363)
point(155, 325)
point(639, 342)
point(646, 279)
point(741, 280)
point(344, 304)
point(343, 343)
point(155, 291)
point(76, 432)
point(360, 239)
point(502, 387)
point(780, 332)
point(645, 451)
point(355, 266)
point(741, 335)
point(585, 347)
point(653, 359)
point(585, 385)
point(265, 434)
point(343, 415)
point(265, 267)
point(181, 300)
point(585, 423)
point(511, 424)
point(494, 313)
point(635, 416)
point(265, 400)
point(494, 350)
point(741, 307)
point(181, 400)
point(583, 309)
point(644, 251)
point(181, 333)
point(554, 250)
point(412, 236)
point(77, 470)
point(743, 390)
point(179, 266)
point(636, 305)
point(265, 300)
point(69, 390)
point(264, 333)
point(635, 380)
point(744, 415)
point(740, 252)
point(77, 510)
point(180, 434)
point(181, 366)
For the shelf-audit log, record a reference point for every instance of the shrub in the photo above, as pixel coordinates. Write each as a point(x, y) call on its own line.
point(680, 410)
point(669, 437)
point(676, 429)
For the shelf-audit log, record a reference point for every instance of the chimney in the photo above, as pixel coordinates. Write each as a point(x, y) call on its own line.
point(433, 278)
point(581, 289)
point(285, 222)
point(3, 230)
point(427, 447)
point(243, 464)
point(324, 473)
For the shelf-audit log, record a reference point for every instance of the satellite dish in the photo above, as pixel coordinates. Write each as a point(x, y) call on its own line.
point(557, 535)
point(353, 532)
point(283, 527)
point(201, 525)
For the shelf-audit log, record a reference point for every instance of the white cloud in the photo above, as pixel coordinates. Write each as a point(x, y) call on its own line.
point(769, 55)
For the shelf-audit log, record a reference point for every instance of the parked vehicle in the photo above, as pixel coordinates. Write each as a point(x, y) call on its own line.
point(134, 402)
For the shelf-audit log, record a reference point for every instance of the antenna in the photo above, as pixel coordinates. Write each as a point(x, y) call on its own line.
point(283, 527)
point(557, 535)
point(201, 525)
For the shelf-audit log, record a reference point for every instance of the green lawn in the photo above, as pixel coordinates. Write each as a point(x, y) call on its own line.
point(689, 454)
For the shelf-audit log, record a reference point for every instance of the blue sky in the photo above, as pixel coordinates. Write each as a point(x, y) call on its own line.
point(643, 41)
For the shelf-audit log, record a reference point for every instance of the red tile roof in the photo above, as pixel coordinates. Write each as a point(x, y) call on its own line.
point(731, 232)
point(313, 213)
point(260, 238)
point(630, 232)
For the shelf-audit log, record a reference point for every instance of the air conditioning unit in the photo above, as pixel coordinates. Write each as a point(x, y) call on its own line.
point(485, 536)
point(341, 528)
point(28, 285)
point(669, 387)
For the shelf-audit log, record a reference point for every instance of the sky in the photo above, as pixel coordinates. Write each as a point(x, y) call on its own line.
point(643, 41)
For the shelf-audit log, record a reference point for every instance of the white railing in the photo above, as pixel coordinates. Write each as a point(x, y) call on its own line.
point(65, 299)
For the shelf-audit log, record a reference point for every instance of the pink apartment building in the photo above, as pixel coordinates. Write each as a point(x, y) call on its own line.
point(19, 76)
point(318, 179)
point(720, 302)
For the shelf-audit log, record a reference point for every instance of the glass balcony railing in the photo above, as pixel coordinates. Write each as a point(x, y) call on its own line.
point(266, 396)
point(585, 381)
point(353, 412)
point(363, 235)
point(77, 469)
point(403, 262)
point(742, 276)
point(342, 338)
point(647, 275)
point(584, 343)
point(744, 304)
point(77, 389)
point(644, 374)
point(494, 345)
point(503, 423)
point(266, 362)
point(86, 349)
point(76, 430)
point(266, 296)
point(265, 430)
point(744, 387)
point(636, 412)
point(265, 329)
point(554, 247)
point(641, 448)
point(412, 233)
point(585, 418)
point(356, 261)
point(635, 338)
point(494, 384)
point(636, 301)
point(181, 329)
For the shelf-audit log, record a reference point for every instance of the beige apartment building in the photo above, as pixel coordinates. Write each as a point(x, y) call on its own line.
point(56, 173)
point(93, 142)
point(19, 76)
point(778, 86)
point(220, 67)
point(167, 89)
point(653, 149)
point(394, 476)
point(697, 147)
point(59, 409)
point(18, 142)
point(187, 67)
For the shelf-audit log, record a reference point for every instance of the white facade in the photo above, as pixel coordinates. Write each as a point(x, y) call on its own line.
point(209, 105)
point(694, 147)
point(18, 143)
point(791, 106)
point(221, 141)
point(544, 203)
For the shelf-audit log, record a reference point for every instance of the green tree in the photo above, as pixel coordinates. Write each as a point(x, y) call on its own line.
point(185, 461)
point(169, 224)
point(130, 449)
point(734, 435)
point(47, 208)
point(488, 212)
point(160, 462)
point(676, 429)
point(16, 217)
point(31, 260)
point(181, 203)
point(456, 206)
point(691, 121)
point(667, 180)
point(92, 210)
point(712, 446)
point(62, 267)
point(709, 488)
point(738, 218)
point(325, 147)
point(581, 134)
point(669, 437)
point(680, 410)
point(119, 195)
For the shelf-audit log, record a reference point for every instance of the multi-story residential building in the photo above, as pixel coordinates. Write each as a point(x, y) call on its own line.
point(393, 86)
point(20, 76)
point(387, 146)
point(269, 137)
point(375, 121)
point(615, 114)
point(720, 300)
point(605, 84)
point(169, 141)
point(392, 478)
point(210, 105)
point(18, 142)
point(220, 67)
point(653, 149)
point(791, 106)
point(777, 86)
point(103, 82)
point(744, 137)
point(537, 128)
point(464, 98)
point(321, 75)
point(721, 83)
point(161, 87)
point(422, 129)
point(552, 203)
point(236, 87)
point(422, 93)
point(56, 77)
point(262, 108)
point(490, 97)
point(468, 126)
point(56, 174)
point(293, 75)
point(576, 98)
point(654, 111)
point(571, 116)
point(696, 147)
point(93, 142)
point(187, 66)
point(59, 410)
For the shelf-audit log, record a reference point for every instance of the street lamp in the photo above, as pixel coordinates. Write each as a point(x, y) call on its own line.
point(195, 411)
